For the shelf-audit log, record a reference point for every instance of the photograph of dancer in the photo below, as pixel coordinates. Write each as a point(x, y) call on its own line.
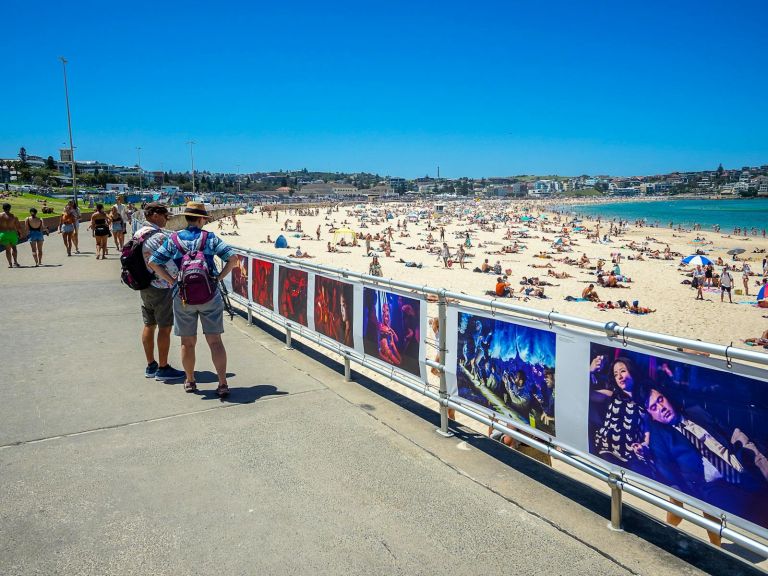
point(240, 276)
point(391, 329)
point(333, 309)
point(262, 283)
point(699, 430)
point(508, 368)
point(292, 303)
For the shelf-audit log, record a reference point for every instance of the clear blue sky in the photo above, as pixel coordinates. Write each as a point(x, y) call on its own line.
point(396, 87)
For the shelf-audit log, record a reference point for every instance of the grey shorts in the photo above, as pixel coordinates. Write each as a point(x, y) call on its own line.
point(157, 306)
point(211, 316)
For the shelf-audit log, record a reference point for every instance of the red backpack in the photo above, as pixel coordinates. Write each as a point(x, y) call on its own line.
point(196, 286)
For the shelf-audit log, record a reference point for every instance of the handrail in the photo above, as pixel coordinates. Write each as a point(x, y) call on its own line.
point(612, 329)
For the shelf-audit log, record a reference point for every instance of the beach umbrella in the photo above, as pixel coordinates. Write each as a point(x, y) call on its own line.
point(762, 294)
point(736, 251)
point(697, 260)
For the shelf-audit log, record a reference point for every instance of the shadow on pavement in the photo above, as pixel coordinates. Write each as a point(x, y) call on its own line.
point(242, 395)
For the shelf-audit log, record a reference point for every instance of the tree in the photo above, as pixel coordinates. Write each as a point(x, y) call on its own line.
point(23, 156)
point(50, 164)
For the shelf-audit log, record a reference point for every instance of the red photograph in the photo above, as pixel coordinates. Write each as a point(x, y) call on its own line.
point(292, 303)
point(262, 282)
point(333, 309)
point(240, 276)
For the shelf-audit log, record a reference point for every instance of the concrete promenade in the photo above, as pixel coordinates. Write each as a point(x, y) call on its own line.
point(105, 472)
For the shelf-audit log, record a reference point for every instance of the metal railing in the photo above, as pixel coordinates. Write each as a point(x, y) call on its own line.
point(551, 446)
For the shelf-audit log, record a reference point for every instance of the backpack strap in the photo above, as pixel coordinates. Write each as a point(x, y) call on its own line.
point(203, 240)
point(179, 246)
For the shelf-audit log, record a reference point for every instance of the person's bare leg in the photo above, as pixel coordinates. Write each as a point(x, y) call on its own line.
point(75, 240)
point(148, 342)
point(15, 253)
point(218, 355)
point(163, 344)
point(8, 256)
point(188, 356)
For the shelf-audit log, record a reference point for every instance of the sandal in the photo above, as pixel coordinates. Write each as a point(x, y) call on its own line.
point(190, 387)
point(222, 390)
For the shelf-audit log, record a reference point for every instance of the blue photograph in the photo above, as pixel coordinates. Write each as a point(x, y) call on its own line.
point(391, 329)
point(699, 430)
point(508, 368)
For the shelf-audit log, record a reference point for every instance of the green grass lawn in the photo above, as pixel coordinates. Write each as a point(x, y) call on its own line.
point(20, 205)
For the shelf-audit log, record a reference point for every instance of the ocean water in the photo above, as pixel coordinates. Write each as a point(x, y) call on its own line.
point(727, 213)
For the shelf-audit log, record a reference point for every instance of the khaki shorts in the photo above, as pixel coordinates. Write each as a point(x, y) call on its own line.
point(157, 306)
point(211, 316)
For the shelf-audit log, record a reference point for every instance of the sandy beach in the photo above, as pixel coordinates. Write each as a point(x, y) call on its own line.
point(544, 243)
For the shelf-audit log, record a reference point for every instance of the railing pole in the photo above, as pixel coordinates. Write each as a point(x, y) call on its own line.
point(442, 316)
point(250, 316)
point(347, 370)
point(288, 339)
point(613, 482)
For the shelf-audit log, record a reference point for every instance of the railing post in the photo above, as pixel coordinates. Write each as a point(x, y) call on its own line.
point(442, 316)
point(250, 316)
point(613, 482)
point(347, 370)
point(288, 339)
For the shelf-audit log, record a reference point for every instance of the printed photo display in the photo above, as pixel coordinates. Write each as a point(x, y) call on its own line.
point(696, 429)
point(240, 276)
point(333, 309)
point(263, 282)
point(508, 368)
point(391, 329)
point(292, 303)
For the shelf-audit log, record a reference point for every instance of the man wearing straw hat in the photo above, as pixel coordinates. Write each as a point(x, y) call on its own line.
point(211, 313)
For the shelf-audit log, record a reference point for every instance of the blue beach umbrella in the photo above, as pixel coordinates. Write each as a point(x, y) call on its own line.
point(761, 294)
point(696, 260)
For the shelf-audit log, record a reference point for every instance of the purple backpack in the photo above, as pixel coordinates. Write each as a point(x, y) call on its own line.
point(196, 285)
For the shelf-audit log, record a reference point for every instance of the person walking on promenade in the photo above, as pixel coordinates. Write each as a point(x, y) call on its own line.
point(10, 232)
point(100, 226)
point(186, 243)
point(124, 213)
point(118, 227)
point(67, 226)
point(35, 229)
point(75, 234)
point(157, 298)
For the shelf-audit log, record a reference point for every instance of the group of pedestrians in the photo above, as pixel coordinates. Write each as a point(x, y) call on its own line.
point(33, 228)
point(184, 292)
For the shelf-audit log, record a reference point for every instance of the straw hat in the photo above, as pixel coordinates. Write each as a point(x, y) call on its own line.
point(196, 209)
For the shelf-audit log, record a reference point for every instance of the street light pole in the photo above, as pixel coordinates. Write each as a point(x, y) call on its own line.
point(141, 180)
point(192, 156)
point(238, 178)
point(69, 125)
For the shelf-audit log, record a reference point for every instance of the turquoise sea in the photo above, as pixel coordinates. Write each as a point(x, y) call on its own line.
point(752, 213)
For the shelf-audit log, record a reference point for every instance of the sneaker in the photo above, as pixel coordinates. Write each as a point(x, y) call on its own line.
point(168, 373)
point(151, 370)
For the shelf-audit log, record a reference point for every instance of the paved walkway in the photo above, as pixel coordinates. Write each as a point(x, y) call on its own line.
point(106, 472)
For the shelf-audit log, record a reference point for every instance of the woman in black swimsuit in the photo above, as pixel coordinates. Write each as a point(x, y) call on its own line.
point(100, 227)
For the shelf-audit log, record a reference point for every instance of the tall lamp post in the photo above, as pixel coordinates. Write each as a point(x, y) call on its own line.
point(192, 157)
point(238, 178)
point(141, 180)
point(69, 125)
